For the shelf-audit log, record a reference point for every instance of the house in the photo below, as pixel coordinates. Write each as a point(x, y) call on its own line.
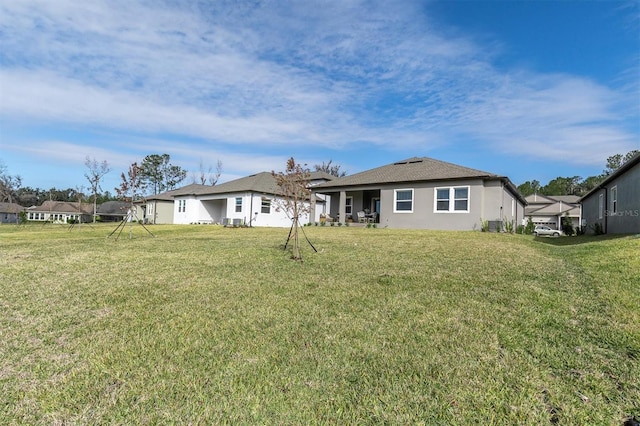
point(60, 212)
point(252, 200)
point(549, 209)
point(10, 212)
point(423, 193)
point(613, 207)
point(113, 211)
point(158, 209)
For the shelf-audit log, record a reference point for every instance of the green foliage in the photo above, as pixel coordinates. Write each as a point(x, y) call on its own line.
point(528, 230)
point(509, 226)
point(157, 174)
point(520, 229)
point(22, 217)
point(484, 225)
point(529, 188)
point(567, 226)
point(597, 228)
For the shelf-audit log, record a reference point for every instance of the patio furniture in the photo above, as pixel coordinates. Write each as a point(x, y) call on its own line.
point(361, 217)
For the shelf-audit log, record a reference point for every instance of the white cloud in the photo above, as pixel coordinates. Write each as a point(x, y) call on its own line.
point(287, 74)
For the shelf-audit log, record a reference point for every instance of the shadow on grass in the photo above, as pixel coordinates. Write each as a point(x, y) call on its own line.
point(582, 239)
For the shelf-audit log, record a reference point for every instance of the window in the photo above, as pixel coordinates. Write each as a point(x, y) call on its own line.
point(459, 195)
point(614, 199)
point(348, 206)
point(600, 206)
point(182, 206)
point(266, 206)
point(403, 201)
point(442, 200)
point(238, 204)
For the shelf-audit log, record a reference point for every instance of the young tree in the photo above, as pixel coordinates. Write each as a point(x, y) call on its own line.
point(95, 172)
point(158, 174)
point(293, 184)
point(331, 169)
point(130, 184)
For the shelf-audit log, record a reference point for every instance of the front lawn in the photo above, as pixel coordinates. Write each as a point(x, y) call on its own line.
point(206, 325)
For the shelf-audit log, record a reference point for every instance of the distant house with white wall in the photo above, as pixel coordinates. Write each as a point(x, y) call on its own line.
point(60, 212)
point(252, 200)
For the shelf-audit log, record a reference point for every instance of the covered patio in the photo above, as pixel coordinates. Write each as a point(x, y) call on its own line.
point(354, 205)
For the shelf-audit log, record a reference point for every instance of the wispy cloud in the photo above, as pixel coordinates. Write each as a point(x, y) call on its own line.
point(282, 73)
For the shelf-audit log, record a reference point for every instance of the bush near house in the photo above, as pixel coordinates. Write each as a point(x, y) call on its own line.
point(205, 326)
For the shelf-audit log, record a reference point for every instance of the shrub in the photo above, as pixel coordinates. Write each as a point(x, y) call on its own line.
point(520, 229)
point(508, 226)
point(484, 225)
point(598, 229)
point(567, 226)
point(530, 227)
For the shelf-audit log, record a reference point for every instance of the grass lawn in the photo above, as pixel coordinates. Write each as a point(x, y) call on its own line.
point(206, 325)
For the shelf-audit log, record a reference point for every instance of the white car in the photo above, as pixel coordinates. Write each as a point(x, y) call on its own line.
point(545, 230)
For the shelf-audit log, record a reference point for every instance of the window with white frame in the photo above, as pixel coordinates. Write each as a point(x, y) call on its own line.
point(348, 206)
point(238, 204)
point(614, 199)
point(403, 201)
point(452, 199)
point(265, 206)
point(182, 206)
point(600, 206)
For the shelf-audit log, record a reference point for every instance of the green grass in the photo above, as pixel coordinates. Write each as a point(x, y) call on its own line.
point(205, 325)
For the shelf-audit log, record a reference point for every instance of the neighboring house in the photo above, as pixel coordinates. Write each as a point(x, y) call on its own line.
point(423, 193)
point(158, 209)
point(113, 211)
point(614, 205)
point(549, 209)
point(251, 200)
point(10, 212)
point(60, 212)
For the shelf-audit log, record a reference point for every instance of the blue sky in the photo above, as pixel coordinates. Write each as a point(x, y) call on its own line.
point(526, 89)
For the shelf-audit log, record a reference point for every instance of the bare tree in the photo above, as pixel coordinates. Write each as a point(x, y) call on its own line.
point(331, 169)
point(209, 176)
point(293, 184)
point(96, 171)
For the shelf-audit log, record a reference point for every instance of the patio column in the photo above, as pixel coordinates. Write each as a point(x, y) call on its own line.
point(312, 207)
point(342, 211)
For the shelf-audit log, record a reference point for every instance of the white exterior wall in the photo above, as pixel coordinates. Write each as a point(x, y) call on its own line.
point(213, 209)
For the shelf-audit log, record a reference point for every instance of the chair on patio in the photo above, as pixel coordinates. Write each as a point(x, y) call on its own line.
point(361, 217)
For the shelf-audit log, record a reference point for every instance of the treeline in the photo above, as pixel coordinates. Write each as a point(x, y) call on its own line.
point(576, 185)
point(155, 174)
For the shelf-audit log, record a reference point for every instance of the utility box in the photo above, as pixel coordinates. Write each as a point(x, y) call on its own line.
point(495, 226)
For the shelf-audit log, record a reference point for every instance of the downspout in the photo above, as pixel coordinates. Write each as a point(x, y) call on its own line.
point(250, 211)
point(606, 203)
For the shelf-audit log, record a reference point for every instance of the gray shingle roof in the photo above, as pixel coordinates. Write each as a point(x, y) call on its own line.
point(262, 182)
point(410, 170)
point(10, 208)
point(64, 207)
point(113, 208)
